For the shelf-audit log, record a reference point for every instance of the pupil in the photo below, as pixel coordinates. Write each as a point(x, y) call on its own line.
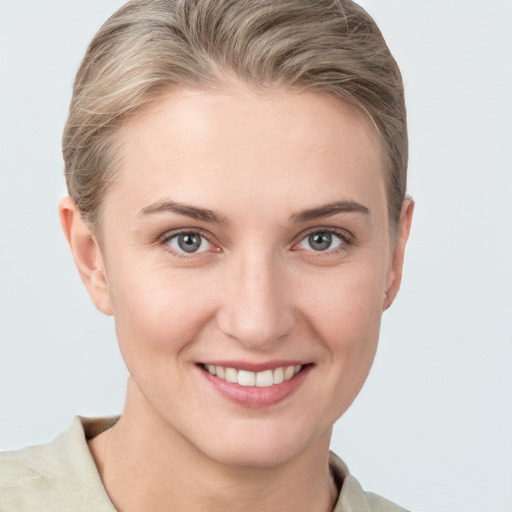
point(189, 242)
point(320, 241)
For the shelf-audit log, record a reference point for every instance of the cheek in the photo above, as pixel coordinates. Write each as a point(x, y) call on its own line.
point(348, 301)
point(158, 312)
point(345, 315)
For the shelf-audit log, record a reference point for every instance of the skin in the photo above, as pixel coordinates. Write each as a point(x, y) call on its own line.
point(257, 292)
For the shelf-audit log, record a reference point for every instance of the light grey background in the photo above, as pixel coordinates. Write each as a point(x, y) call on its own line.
point(432, 428)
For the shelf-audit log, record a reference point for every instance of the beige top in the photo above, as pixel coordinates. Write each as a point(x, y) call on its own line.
point(61, 477)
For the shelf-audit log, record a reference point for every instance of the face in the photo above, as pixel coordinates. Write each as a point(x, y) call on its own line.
point(247, 258)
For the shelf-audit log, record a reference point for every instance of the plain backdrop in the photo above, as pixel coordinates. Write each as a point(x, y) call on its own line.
point(432, 428)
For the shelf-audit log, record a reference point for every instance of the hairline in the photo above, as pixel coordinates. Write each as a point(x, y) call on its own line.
point(229, 83)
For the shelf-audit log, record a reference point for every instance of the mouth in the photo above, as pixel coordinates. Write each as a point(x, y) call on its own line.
point(255, 385)
point(261, 379)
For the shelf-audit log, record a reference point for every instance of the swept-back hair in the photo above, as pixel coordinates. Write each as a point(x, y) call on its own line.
point(149, 47)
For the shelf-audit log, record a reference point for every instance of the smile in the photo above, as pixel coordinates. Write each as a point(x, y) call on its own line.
point(256, 385)
point(263, 379)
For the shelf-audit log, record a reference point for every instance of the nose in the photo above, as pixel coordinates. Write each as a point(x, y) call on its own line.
point(257, 302)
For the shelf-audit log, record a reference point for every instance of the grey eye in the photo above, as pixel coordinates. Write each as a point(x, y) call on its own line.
point(320, 241)
point(189, 242)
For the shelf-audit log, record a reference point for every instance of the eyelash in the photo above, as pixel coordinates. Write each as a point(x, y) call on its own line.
point(347, 240)
point(165, 239)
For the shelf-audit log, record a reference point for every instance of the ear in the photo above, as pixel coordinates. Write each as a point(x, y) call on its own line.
point(394, 277)
point(86, 253)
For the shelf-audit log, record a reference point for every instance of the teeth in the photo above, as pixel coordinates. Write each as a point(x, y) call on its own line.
point(231, 375)
point(278, 375)
point(289, 372)
point(265, 379)
point(246, 378)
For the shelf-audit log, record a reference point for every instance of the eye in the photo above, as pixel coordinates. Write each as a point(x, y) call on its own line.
point(322, 241)
point(189, 242)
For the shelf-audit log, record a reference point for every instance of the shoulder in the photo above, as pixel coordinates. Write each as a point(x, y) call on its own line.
point(379, 504)
point(26, 476)
point(352, 497)
point(60, 475)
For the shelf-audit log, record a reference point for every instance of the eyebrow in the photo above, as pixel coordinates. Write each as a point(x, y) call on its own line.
point(207, 215)
point(329, 209)
point(194, 212)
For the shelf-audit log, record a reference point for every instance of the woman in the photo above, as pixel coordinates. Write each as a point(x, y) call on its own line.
point(237, 177)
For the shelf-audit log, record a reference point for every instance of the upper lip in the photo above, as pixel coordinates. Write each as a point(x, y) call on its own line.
point(255, 367)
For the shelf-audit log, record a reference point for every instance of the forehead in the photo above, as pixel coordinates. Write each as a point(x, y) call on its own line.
point(281, 143)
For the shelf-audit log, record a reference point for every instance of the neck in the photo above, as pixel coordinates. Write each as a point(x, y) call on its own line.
point(146, 465)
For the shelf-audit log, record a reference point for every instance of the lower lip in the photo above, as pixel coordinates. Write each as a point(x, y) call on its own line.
point(253, 396)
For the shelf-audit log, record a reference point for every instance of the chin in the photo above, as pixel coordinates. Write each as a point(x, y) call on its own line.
point(253, 456)
point(263, 447)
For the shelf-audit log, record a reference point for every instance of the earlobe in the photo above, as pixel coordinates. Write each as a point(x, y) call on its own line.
point(397, 262)
point(87, 255)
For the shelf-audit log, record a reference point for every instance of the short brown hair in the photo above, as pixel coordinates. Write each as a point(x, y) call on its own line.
point(149, 47)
